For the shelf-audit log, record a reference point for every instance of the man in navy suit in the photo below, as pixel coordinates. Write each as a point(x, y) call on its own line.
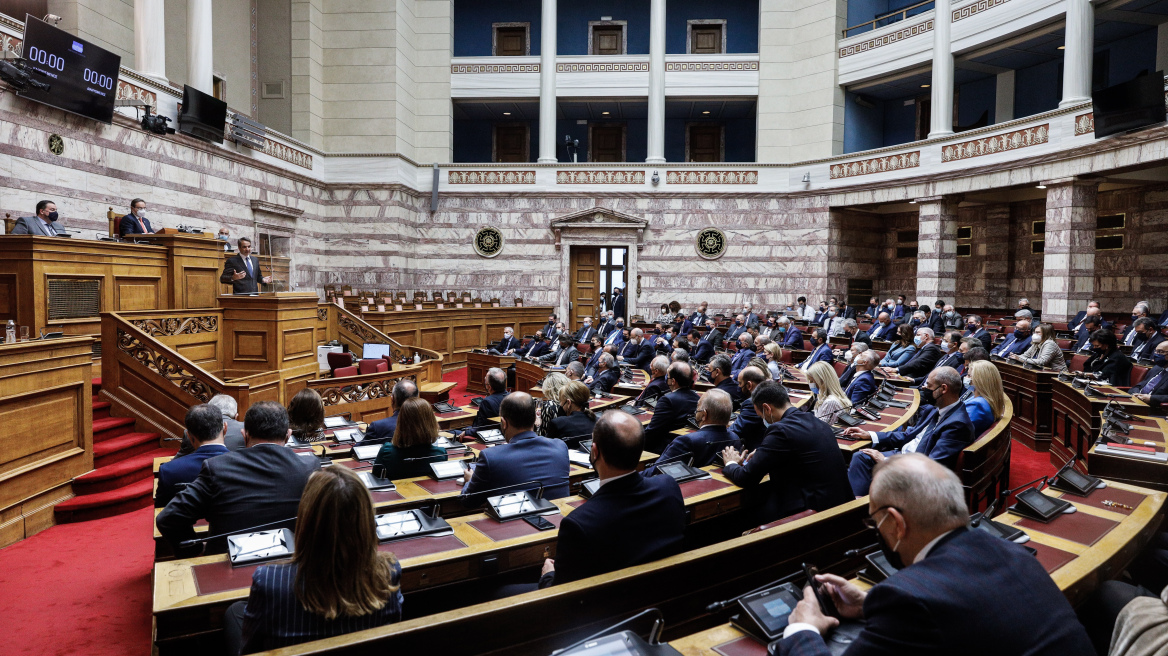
point(638, 353)
point(135, 222)
point(525, 457)
point(941, 433)
point(973, 328)
point(496, 381)
point(537, 347)
point(701, 350)
point(699, 317)
point(630, 520)
point(936, 321)
point(744, 355)
point(713, 335)
point(950, 358)
point(820, 352)
point(863, 382)
point(673, 409)
point(658, 386)
point(959, 590)
point(618, 303)
point(1074, 324)
point(1148, 337)
point(790, 337)
point(586, 331)
point(713, 414)
point(899, 314)
point(799, 453)
point(883, 330)
point(682, 326)
point(923, 360)
point(243, 271)
point(748, 427)
point(608, 377)
point(1130, 336)
point(508, 345)
point(737, 329)
point(616, 336)
point(719, 369)
point(206, 429)
point(1016, 342)
point(382, 429)
point(1153, 389)
point(1083, 339)
point(592, 367)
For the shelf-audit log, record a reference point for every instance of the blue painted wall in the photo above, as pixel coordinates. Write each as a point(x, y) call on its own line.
point(472, 140)
point(473, 19)
point(900, 122)
point(572, 24)
point(739, 135)
point(1131, 55)
point(862, 11)
point(1037, 88)
point(863, 126)
point(741, 23)
point(976, 97)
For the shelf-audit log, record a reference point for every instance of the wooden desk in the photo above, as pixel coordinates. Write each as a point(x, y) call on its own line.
point(1077, 568)
point(890, 419)
point(527, 376)
point(1031, 392)
point(477, 365)
point(1146, 431)
point(46, 429)
point(1076, 419)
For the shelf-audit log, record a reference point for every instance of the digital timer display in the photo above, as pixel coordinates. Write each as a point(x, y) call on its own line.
point(82, 77)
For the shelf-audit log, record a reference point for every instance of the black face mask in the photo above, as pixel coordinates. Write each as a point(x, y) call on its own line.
point(1101, 350)
point(927, 396)
point(893, 558)
point(52, 216)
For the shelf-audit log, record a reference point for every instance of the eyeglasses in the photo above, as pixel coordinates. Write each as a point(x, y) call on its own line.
point(870, 521)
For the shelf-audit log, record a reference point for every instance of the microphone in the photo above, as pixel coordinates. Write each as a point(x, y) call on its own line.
point(203, 540)
point(1006, 493)
point(852, 553)
point(654, 633)
point(719, 605)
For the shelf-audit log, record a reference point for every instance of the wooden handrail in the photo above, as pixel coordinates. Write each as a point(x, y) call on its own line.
point(353, 324)
point(903, 13)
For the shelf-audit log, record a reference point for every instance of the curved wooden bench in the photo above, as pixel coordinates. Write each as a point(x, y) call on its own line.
point(984, 466)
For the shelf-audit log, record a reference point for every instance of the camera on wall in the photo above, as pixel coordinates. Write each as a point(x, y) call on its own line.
point(156, 123)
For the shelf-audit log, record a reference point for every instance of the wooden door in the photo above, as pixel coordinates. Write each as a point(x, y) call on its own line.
point(584, 285)
point(510, 41)
point(608, 40)
point(705, 143)
point(511, 143)
point(706, 40)
point(608, 143)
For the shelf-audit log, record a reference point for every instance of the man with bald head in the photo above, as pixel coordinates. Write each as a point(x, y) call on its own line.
point(658, 386)
point(958, 591)
point(638, 353)
point(713, 415)
point(883, 330)
point(630, 520)
point(525, 457)
point(673, 409)
point(607, 376)
point(1016, 342)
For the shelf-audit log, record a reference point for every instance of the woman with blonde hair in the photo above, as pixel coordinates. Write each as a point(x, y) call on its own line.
point(988, 401)
point(306, 416)
point(549, 406)
point(577, 419)
point(337, 583)
point(413, 439)
point(830, 400)
point(774, 355)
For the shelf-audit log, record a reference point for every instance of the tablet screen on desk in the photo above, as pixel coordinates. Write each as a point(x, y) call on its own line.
point(771, 609)
point(336, 422)
point(1039, 501)
point(367, 452)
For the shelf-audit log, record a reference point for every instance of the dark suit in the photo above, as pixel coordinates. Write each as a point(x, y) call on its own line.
point(382, 429)
point(670, 414)
point(899, 312)
point(1155, 383)
point(937, 322)
point(604, 327)
point(488, 407)
point(1082, 339)
point(947, 360)
point(250, 282)
point(972, 594)
point(183, 469)
point(683, 328)
point(533, 349)
point(527, 457)
point(751, 320)
point(629, 521)
point(748, 427)
point(1114, 367)
point(715, 338)
point(563, 358)
point(32, 225)
point(698, 319)
point(982, 334)
point(584, 334)
point(592, 367)
point(862, 336)
point(1143, 350)
point(861, 387)
point(656, 388)
point(572, 425)
point(805, 464)
point(1012, 345)
point(740, 361)
point(506, 344)
point(618, 306)
point(1081, 315)
point(237, 491)
point(845, 378)
point(922, 362)
point(703, 351)
point(942, 441)
point(128, 225)
point(639, 357)
point(729, 386)
point(606, 380)
point(734, 331)
point(881, 332)
point(820, 353)
point(704, 445)
point(793, 338)
point(233, 440)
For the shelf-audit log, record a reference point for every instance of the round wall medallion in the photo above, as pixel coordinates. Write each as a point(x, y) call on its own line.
point(711, 243)
point(56, 144)
point(488, 242)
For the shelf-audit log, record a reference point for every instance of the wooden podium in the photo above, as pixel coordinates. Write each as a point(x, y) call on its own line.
point(269, 342)
point(477, 365)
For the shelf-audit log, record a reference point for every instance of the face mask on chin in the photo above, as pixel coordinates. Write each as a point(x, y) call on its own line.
point(890, 553)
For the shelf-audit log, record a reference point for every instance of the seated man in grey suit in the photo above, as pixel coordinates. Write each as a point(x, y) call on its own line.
point(237, 491)
point(230, 410)
point(42, 225)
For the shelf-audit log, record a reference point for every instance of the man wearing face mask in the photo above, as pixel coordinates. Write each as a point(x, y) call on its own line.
point(1153, 389)
point(135, 222)
point(884, 330)
point(769, 329)
point(1016, 342)
point(639, 354)
point(951, 357)
point(713, 335)
point(1147, 345)
point(673, 409)
point(973, 328)
point(586, 331)
point(863, 382)
point(849, 357)
point(805, 465)
point(941, 432)
point(616, 334)
point(44, 224)
point(749, 316)
point(507, 345)
point(898, 309)
point(820, 352)
point(737, 329)
point(607, 323)
point(1131, 336)
point(789, 334)
point(744, 355)
point(712, 414)
point(922, 361)
point(1107, 360)
point(958, 591)
point(720, 369)
point(833, 322)
point(852, 331)
point(935, 321)
point(748, 427)
point(952, 319)
point(224, 236)
point(699, 317)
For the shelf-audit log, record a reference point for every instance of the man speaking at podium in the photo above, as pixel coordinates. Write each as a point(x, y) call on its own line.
point(243, 270)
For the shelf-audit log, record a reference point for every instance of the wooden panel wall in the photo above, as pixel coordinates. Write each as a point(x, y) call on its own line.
point(453, 332)
point(275, 332)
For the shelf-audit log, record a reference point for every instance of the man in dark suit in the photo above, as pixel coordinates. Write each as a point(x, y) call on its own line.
point(1016, 342)
point(820, 351)
point(1130, 335)
point(959, 591)
point(592, 366)
point(863, 382)
point(536, 348)
point(1083, 339)
point(616, 336)
point(135, 223)
point(525, 457)
point(750, 318)
point(233, 440)
point(566, 354)
point(705, 444)
point(658, 385)
point(1076, 323)
point(973, 328)
point(607, 323)
point(720, 370)
point(586, 331)
point(382, 429)
point(743, 355)
point(738, 327)
point(638, 353)
point(950, 358)
point(714, 336)
point(508, 345)
point(242, 271)
point(496, 381)
point(205, 428)
point(630, 520)
point(849, 356)
point(608, 377)
point(699, 317)
point(899, 314)
point(790, 337)
point(941, 432)
point(672, 409)
point(936, 321)
point(883, 330)
point(923, 360)
point(549, 328)
point(748, 427)
point(618, 303)
point(1148, 336)
point(852, 331)
point(799, 453)
point(700, 348)
point(234, 492)
point(1107, 360)
point(44, 224)
point(1153, 389)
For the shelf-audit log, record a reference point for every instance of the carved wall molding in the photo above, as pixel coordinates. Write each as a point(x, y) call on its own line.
point(168, 326)
point(711, 177)
point(354, 393)
point(600, 177)
point(288, 154)
point(286, 211)
point(876, 165)
point(886, 39)
point(322, 314)
point(604, 67)
point(490, 177)
point(458, 69)
point(693, 67)
point(1085, 124)
point(159, 363)
point(998, 143)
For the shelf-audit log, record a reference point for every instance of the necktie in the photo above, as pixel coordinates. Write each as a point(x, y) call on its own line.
point(250, 273)
point(1150, 385)
point(141, 224)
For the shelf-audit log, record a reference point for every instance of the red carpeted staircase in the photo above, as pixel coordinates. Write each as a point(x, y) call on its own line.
point(123, 459)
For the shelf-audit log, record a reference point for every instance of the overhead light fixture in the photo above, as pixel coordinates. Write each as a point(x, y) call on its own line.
point(1062, 47)
point(1041, 186)
point(924, 86)
point(604, 113)
point(807, 178)
point(506, 113)
point(706, 112)
point(913, 202)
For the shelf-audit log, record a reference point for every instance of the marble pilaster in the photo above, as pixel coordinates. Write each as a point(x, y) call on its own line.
point(1068, 279)
point(937, 249)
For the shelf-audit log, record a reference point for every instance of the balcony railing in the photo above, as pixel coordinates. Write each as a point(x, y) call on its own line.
point(889, 18)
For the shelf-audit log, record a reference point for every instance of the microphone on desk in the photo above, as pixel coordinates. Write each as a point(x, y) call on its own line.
point(654, 632)
point(719, 605)
point(852, 553)
point(203, 540)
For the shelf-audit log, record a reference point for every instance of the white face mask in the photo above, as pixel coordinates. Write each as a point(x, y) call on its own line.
point(140, 213)
point(849, 356)
point(966, 381)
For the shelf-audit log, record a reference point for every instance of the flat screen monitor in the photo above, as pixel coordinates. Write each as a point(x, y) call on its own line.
point(371, 351)
point(82, 78)
point(202, 116)
point(1128, 106)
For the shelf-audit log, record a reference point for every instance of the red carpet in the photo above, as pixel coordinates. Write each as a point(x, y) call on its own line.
point(84, 588)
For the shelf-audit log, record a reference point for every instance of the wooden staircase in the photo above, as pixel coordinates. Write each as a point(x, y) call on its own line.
point(123, 478)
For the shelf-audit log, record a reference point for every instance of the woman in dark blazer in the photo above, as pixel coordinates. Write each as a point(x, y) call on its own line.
point(311, 597)
point(413, 439)
point(577, 419)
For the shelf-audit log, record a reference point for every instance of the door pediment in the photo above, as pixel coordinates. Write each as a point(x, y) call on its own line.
point(599, 223)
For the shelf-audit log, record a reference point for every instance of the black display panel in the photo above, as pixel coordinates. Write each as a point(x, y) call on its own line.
point(82, 78)
point(1129, 106)
point(202, 116)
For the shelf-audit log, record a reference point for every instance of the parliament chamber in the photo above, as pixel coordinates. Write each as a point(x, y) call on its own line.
point(535, 327)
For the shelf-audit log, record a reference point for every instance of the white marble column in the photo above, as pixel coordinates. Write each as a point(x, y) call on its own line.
point(150, 38)
point(941, 102)
point(1078, 51)
point(200, 47)
point(656, 146)
point(547, 84)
